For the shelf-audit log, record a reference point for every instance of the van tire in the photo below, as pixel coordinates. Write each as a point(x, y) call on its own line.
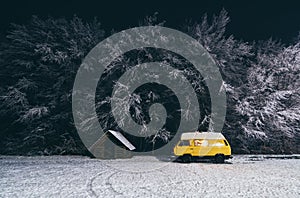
point(219, 159)
point(186, 158)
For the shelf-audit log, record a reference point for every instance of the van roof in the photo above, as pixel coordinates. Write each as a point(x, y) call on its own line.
point(202, 135)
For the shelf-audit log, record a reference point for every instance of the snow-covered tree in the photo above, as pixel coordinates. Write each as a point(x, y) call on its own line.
point(233, 57)
point(40, 61)
point(271, 107)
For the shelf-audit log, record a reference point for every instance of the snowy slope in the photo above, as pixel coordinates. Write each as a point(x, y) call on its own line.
point(66, 176)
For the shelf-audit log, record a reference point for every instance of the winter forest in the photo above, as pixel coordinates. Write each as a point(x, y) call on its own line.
point(39, 61)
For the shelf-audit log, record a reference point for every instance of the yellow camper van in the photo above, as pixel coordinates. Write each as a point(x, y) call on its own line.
point(209, 145)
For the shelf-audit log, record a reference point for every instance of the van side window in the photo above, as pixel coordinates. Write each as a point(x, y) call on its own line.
point(225, 142)
point(198, 142)
point(184, 143)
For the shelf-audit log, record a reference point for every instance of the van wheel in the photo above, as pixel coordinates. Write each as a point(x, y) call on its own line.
point(186, 158)
point(219, 159)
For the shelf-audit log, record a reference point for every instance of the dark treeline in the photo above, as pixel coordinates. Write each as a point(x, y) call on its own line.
point(39, 61)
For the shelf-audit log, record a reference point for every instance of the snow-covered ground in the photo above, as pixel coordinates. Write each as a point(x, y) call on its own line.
point(69, 176)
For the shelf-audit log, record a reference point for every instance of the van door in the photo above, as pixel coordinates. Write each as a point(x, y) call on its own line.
point(201, 147)
point(183, 147)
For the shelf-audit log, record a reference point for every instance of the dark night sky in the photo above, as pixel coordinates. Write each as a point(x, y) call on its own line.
point(250, 20)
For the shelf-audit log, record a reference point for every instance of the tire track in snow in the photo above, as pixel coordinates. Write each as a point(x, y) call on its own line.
point(89, 185)
point(107, 182)
point(104, 187)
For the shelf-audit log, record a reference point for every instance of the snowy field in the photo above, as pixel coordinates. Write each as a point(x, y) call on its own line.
point(69, 176)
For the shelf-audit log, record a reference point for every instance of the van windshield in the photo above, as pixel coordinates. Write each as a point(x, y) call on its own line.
point(184, 143)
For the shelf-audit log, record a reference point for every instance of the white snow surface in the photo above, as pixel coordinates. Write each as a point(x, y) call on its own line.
point(144, 176)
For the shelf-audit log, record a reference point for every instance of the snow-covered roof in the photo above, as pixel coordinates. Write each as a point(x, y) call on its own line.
point(122, 139)
point(202, 135)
